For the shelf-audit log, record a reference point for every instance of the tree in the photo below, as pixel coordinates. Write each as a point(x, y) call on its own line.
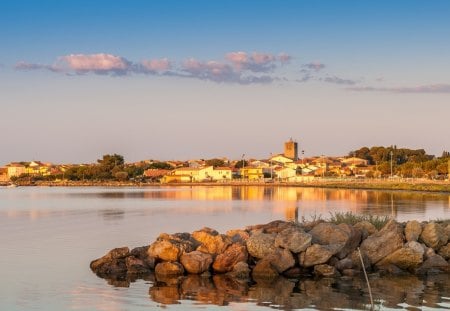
point(241, 163)
point(215, 162)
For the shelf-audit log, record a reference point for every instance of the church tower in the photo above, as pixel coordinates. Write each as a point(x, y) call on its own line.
point(291, 149)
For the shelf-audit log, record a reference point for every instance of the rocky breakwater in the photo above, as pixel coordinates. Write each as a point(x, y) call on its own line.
point(294, 250)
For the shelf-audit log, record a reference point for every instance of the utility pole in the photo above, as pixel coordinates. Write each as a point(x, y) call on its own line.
point(392, 153)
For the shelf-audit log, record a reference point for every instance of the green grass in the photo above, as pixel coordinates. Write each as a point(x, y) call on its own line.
point(352, 219)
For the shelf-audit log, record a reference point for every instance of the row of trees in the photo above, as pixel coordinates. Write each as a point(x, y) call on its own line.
point(405, 162)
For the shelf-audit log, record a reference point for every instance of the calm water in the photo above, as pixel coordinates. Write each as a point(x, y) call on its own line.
point(48, 236)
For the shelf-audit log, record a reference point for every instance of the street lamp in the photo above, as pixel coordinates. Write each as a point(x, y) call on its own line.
point(391, 153)
point(243, 165)
point(271, 167)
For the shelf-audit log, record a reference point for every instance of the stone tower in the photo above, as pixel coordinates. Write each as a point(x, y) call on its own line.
point(291, 149)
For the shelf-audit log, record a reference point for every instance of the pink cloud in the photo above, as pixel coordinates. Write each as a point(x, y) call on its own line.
point(95, 62)
point(157, 65)
point(238, 59)
point(284, 57)
point(262, 58)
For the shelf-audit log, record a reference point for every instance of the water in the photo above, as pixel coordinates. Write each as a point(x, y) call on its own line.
point(48, 236)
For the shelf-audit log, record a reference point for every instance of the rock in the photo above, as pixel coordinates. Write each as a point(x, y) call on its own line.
point(142, 253)
point(434, 235)
point(264, 270)
point(413, 229)
point(316, 254)
point(408, 257)
point(260, 245)
point(281, 259)
point(344, 264)
point(351, 272)
point(355, 236)
point(366, 228)
point(275, 226)
point(169, 247)
point(240, 271)
point(293, 239)
point(294, 272)
point(447, 230)
point(169, 269)
point(356, 260)
point(211, 242)
point(196, 262)
point(385, 242)
point(113, 263)
point(434, 264)
point(238, 235)
point(326, 271)
point(444, 251)
point(136, 266)
point(227, 260)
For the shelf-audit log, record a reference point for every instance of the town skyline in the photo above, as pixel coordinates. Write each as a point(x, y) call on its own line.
point(200, 79)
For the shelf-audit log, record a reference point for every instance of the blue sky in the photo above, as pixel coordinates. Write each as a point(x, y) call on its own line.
point(200, 79)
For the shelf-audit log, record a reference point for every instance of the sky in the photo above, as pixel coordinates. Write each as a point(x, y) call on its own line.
point(201, 79)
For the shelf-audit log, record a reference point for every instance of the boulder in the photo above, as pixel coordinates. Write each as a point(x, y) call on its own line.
point(275, 226)
point(434, 235)
point(444, 251)
point(113, 263)
point(196, 262)
point(326, 271)
point(409, 257)
point(294, 239)
point(366, 228)
point(264, 270)
point(281, 259)
point(384, 242)
point(447, 230)
point(211, 242)
point(356, 260)
point(238, 235)
point(344, 264)
point(413, 229)
point(240, 271)
point(142, 253)
point(260, 245)
point(316, 254)
point(434, 264)
point(227, 260)
point(136, 266)
point(169, 269)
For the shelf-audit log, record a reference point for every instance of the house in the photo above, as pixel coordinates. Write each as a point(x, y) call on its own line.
point(221, 174)
point(3, 174)
point(354, 161)
point(199, 174)
point(38, 168)
point(281, 159)
point(252, 173)
point(155, 174)
point(15, 169)
point(285, 173)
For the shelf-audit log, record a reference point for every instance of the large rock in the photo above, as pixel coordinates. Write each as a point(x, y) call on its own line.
point(113, 263)
point(275, 226)
point(281, 259)
point(264, 270)
point(227, 260)
point(169, 247)
point(434, 264)
point(169, 269)
point(444, 251)
point(238, 235)
point(342, 234)
point(196, 262)
point(385, 242)
point(136, 265)
point(260, 245)
point(211, 242)
point(434, 235)
point(294, 239)
point(142, 254)
point(240, 271)
point(316, 254)
point(408, 257)
point(413, 229)
point(366, 228)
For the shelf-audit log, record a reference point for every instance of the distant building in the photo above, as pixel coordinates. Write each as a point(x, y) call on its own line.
point(16, 169)
point(291, 150)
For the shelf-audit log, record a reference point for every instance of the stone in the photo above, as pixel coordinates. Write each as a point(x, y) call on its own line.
point(240, 270)
point(356, 260)
point(316, 254)
point(260, 245)
point(264, 270)
point(169, 269)
point(211, 242)
point(366, 228)
point(238, 235)
point(275, 226)
point(434, 235)
point(447, 230)
point(281, 259)
point(142, 253)
point(165, 250)
point(136, 266)
point(293, 239)
point(384, 242)
point(413, 229)
point(444, 251)
point(196, 262)
point(434, 264)
point(227, 260)
point(113, 263)
point(344, 264)
point(326, 271)
point(408, 257)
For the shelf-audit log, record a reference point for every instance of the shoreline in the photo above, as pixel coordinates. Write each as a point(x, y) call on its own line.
point(388, 185)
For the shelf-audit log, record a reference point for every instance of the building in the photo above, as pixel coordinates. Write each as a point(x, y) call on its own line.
point(291, 150)
point(3, 174)
point(198, 174)
point(15, 169)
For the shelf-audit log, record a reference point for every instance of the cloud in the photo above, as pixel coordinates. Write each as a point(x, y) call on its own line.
point(156, 65)
point(256, 62)
point(24, 66)
point(337, 80)
point(432, 88)
point(316, 66)
point(284, 58)
point(97, 63)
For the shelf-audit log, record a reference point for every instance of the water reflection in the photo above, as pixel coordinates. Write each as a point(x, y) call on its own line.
point(409, 292)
